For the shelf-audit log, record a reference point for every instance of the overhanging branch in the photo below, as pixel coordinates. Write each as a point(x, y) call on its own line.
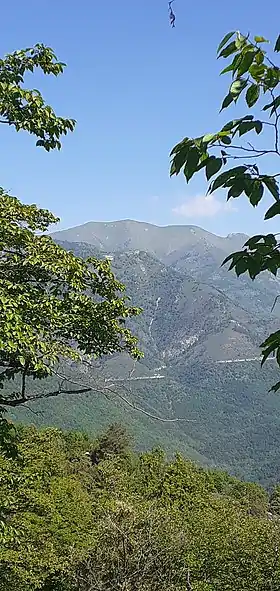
point(23, 400)
point(82, 388)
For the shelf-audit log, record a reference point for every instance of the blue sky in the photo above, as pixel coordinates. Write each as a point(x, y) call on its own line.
point(135, 87)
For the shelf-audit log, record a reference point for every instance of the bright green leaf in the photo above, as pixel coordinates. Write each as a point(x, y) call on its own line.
point(260, 39)
point(208, 137)
point(237, 87)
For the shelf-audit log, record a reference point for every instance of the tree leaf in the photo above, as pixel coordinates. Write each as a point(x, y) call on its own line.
point(260, 39)
point(225, 39)
point(185, 142)
point(252, 94)
point(259, 57)
point(234, 65)
point(226, 140)
point(180, 159)
point(209, 136)
point(256, 193)
point(235, 122)
point(192, 162)
point(246, 62)
point(272, 186)
point(225, 176)
point(270, 240)
point(271, 78)
point(251, 242)
point(273, 105)
point(253, 267)
point(273, 211)
point(203, 161)
point(213, 165)
point(242, 265)
point(245, 126)
point(226, 102)
point(240, 41)
point(237, 87)
point(257, 71)
point(236, 189)
point(277, 44)
point(258, 126)
point(228, 50)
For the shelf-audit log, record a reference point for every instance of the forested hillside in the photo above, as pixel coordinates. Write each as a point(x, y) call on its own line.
point(81, 514)
point(200, 333)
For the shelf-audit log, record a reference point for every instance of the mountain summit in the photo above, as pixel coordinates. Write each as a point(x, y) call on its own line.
point(161, 241)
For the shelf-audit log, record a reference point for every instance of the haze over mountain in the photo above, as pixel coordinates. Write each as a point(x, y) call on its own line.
point(162, 241)
point(200, 330)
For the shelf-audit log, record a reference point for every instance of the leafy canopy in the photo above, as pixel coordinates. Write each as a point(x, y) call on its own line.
point(25, 109)
point(256, 78)
point(151, 524)
point(53, 305)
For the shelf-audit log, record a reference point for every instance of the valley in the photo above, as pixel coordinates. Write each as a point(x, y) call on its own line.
point(200, 332)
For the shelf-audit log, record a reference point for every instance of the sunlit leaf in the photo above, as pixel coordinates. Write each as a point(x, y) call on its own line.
point(246, 62)
point(259, 39)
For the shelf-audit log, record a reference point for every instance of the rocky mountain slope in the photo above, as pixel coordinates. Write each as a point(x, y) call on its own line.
point(200, 331)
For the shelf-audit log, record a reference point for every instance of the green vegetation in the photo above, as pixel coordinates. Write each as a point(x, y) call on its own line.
point(256, 75)
point(50, 301)
point(232, 421)
point(129, 521)
point(78, 513)
point(53, 305)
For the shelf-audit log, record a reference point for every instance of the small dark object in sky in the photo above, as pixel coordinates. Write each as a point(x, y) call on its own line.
point(172, 16)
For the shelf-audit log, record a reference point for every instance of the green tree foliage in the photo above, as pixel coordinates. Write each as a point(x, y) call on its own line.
point(115, 441)
point(66, 525)
point(274, 501)
point(25, 108)
point(256, 77)
point(46, 518)
point(53, 305)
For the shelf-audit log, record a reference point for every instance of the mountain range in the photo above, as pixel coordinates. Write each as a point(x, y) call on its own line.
point(200, 330)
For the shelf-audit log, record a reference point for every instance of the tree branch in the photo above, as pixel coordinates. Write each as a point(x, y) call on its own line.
point(252, 149)
point(105, 388)
point(18, 401)
point(83, 388)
